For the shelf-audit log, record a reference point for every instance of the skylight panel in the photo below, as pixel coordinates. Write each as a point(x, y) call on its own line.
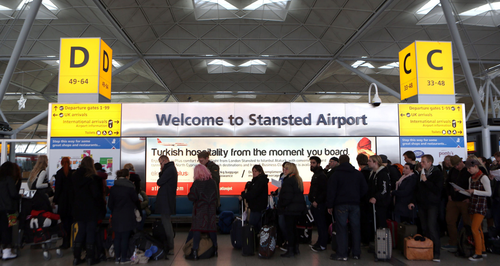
point(116, 63)
point(428, 7)
point(47, 3)
point(390, 66)
point(253, 63)
point(368, 65)
point(481, 9)
point(220, 62)
point(358, 63)
point(260, 3)
point(4, 8)
point(222, 3)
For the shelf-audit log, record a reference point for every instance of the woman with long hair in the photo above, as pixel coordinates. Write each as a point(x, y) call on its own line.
point(64, 197)
point(8, 197)
point(37, 179)
point(291, 204)
point(89, 207)
point(203, 194)
point(379, 189)
point(256, 192)
point(122, 203)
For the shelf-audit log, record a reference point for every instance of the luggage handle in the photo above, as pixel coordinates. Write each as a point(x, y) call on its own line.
point(374, 218)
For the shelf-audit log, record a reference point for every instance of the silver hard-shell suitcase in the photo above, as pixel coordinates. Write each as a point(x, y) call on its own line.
point(383, 241)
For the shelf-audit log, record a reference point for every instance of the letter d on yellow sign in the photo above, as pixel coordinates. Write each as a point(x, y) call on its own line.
point(85, 66)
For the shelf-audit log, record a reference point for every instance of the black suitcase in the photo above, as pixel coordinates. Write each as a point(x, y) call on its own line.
point(236, 233)
point(248, 243)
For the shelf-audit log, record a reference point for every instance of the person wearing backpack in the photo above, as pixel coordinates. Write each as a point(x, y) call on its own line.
point(479, 190)
point(256, 195)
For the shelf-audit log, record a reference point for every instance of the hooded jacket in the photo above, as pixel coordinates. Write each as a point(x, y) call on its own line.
point(379, 186)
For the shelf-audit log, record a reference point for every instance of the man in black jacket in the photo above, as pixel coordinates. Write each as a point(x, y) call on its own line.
point(458, 203)
point(427, 197)
point(330, 167)
point(346, 187)
point(166, 197)
point(317, 197)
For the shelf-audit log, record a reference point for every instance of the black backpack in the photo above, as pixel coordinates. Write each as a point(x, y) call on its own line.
point(143, 241)
point(465, 242)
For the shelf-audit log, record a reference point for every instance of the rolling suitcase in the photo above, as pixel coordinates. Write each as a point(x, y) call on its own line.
point(393, 227)
point(248, 243)
point(383, 241)
point(267, 241)
point(236, 233)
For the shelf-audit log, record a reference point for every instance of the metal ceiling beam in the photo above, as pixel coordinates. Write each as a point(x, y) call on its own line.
point(126, 66)
point(353, 38)
point(120, 30)
point(370, 79)
point(457, 41)
point(29, 123)
point(21, 40)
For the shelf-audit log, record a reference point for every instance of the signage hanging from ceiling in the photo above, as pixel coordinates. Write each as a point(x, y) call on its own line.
point(85, 67)
point(431, 120)
point(426, 68)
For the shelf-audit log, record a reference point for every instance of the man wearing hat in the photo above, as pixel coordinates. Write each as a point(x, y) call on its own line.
point(457, 202)
point(330, 167)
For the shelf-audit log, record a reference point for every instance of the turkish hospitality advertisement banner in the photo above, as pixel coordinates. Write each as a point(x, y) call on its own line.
point(236, 157)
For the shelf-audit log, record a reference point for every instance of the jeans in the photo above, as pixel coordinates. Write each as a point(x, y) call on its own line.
point(86, 232)
point(140, 226)
point(429, 220)
point(282, 226)
point(256, 221)
point(351, 213)
point(196, 236)
point(121, 245)
point(320, 220)
point(169, 231)
point(477, 233)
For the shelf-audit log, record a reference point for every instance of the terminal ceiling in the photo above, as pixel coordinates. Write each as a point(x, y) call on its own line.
point(240, 50)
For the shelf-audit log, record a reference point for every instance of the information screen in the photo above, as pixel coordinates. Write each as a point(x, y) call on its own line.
point(236, 157)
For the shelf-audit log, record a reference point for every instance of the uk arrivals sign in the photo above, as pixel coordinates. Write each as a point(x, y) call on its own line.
point(85, 66)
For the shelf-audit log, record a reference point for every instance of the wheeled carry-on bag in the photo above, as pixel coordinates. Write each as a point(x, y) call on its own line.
point(248, 244)
point(383, 241)
point(405, 230)
point(267, 241)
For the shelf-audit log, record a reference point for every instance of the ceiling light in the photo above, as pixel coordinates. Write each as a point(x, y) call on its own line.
point(390, 66)
point(358, 63)
point(253, 63)
point(47, 3)
point(220, 62)
point(4, 8)
point(481, 9)
point(428, 7)
point(260, 3)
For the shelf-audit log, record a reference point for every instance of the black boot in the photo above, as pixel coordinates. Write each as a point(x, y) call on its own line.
point(290, 253)
point(193, 255)
point(216, 253)
point(91, 260)
point(296, 251)
point(77, 253)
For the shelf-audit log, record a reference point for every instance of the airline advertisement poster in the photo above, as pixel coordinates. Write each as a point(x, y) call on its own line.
point(105, 151)
point(438, 147)
point(236, 156)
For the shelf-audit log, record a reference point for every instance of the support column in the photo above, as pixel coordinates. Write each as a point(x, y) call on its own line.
point(12, 153)
point(464, 62)
point(486, 142)
point(21, 40)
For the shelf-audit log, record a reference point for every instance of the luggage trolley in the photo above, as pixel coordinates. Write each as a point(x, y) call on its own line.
point(46, 237)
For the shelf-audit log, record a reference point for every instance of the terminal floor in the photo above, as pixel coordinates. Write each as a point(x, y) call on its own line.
point(229, 256)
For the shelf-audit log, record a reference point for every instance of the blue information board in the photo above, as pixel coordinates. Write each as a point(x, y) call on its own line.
point(85, 143)
point(432, 142)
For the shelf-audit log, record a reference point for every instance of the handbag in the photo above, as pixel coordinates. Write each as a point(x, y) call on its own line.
point(12, 218)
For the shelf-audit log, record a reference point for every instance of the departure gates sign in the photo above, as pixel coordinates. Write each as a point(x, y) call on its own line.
point(426, 68)
point(431, 120)
point(85, 66)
